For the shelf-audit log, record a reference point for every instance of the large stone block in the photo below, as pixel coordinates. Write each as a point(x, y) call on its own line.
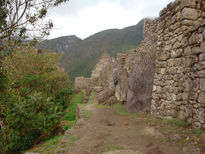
point(202, 84)
point(140, 83)
point(195, 50)
point(176, 53)
point(188, 3)
point(201, 98)
point(187, 51)
point(189, 13)
point(203, 34)
point(195, 38)
point(202, 47)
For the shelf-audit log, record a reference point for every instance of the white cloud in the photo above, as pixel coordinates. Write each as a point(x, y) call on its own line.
point(86, 18)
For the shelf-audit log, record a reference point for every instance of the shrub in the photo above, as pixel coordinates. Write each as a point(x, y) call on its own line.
point(36, 96)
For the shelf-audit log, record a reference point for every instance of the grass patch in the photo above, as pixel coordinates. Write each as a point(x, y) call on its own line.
point(197, 132)
point(68, 124)
point(75, 99)
point(86, 113)
point(72, 139)
point(92, 97)
point(120, 109)
point(109, 147)
point(47, 147)
point(101, 106)
point(176, 122)
point(182, 141)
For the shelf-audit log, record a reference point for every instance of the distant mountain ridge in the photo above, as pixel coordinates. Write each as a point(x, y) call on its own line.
point(60, 44)
point(80, 56)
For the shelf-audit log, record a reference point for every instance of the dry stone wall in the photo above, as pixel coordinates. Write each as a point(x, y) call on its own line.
point(179, 80)
point(166, 73)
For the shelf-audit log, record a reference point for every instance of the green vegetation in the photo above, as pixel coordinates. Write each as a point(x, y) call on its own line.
point(70, 116)
point(109, 147)
point(34, 99)
point(92, 97)
point(85, 113)
point(48, 147)
point(197, 132)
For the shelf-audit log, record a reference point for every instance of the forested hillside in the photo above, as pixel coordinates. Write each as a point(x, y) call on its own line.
point(80, 58)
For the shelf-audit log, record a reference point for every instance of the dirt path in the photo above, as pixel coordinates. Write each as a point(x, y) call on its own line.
point(106, 131)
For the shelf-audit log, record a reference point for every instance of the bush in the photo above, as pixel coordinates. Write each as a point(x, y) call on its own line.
point(37, 93)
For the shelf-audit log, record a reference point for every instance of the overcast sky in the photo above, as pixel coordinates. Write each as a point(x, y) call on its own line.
point(86, 17)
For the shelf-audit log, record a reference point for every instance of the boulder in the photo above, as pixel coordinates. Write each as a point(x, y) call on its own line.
point(140, 82)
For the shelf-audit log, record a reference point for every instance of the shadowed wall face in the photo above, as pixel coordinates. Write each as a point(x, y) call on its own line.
point(140, 83)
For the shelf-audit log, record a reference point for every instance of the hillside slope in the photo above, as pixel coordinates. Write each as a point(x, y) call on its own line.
point(79, 59)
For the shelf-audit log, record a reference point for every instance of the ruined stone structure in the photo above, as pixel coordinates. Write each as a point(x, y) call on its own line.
point(180, 63)
point(173, 84)
point(84, 83)
point(104, 60)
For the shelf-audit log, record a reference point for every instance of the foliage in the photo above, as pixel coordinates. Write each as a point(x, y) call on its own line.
point(37, 93)
point(18, 18)
point(48, 147)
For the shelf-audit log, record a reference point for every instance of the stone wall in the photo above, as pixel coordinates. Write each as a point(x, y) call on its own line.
point(105, 59)
point(82, 83)
point(179, 80)
point(173, 84)
point(89, 84)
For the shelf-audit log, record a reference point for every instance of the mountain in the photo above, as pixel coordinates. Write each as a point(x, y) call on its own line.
point(80, 56)
point(60, 44)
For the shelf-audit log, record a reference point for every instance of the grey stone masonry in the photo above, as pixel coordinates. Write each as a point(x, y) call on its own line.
point(179, 83)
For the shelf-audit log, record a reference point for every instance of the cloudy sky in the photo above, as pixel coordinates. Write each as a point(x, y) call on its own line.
point(86, 17)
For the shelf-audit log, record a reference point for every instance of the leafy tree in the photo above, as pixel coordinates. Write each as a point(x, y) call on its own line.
point(21, 17)
point(37, 94)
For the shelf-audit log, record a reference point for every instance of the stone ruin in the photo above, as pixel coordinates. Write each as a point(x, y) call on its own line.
point(179, 81)
point(166, 73)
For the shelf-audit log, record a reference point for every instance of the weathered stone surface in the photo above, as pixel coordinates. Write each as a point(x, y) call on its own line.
point(105, 59)
point(189, 13)
point(163, 57)
point(201, 98)
point(140, 83)
point(179, 78)
point(195, 38)
point(202, 47)
point(98, 89)
point(103, 95)
point(187, 51)
point(203, 34)
point(202, 57)
point(196, 125)
point(84, 83)
point(195, 50)
point(202, 84)
point(176, 53)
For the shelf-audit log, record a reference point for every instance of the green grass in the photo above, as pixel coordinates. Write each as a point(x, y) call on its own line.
point(102, 106)
point(92, 97)
point(68, 124)
point(109, 147)
point(75, 99)
point(176, 122)
point(73, 139)
point(86, 113)
point(47, 147)
point(197, 132)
